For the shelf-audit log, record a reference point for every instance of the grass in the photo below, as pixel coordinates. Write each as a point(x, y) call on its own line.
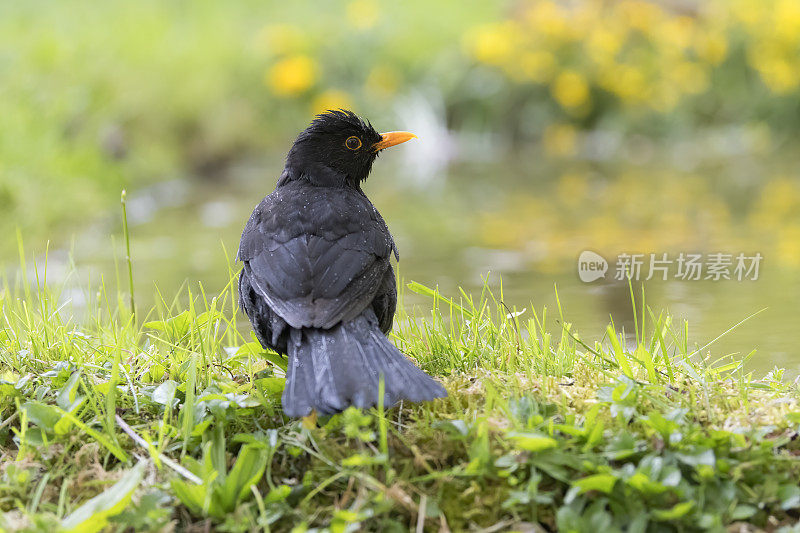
point(176, 423)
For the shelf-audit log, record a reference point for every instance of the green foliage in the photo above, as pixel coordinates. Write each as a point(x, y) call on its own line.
point(93, 515)
point(221, 490)
point(540, 426)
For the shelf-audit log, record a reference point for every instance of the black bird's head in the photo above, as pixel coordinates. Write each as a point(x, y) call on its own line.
point(338, 149)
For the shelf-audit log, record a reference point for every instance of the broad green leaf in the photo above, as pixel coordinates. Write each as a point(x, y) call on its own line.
point(789, 496)
point(645, 485)
point(191, 495)
point(43, 415)
point(93, 515)
point(176, 327)
point(697, 457)
point(600, 482)
point(276, 360)
point(66, 398)
point(249, 348)
point(255, 349)
point(454, 426)
point(247, 471)
point(165, 393)
point(533, 442)
point(743, 512)
point(209, 317)
point(678, 511)
point(273, 386)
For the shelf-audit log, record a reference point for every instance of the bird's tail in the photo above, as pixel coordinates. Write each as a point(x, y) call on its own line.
point(331, 369)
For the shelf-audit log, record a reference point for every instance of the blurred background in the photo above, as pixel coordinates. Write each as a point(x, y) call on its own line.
point(545, 128)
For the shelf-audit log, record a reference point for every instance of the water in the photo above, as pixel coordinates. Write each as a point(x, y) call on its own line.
point(186, 230)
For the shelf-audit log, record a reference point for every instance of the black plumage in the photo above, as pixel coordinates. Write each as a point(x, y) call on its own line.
point(317, 282)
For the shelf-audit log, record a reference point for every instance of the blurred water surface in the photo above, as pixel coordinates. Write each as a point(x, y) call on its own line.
point(458, 231)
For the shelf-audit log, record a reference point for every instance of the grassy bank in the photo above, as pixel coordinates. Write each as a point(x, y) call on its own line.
point(172, 419)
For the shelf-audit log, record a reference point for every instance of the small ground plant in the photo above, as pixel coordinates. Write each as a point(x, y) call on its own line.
point(171, 419)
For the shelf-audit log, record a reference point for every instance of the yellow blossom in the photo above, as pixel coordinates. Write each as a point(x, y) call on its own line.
point(570, 89)
point(604, 43)
point(627, 82)
point(292, 76)
point(779, 75)
point(748, 12)
point(639, 14)
point(550, 19)
point(491, 44)
point(676, 32)
point(789, 245)
point(780, 199)
point(787, 20)
point(711, 47)
point(331, 99)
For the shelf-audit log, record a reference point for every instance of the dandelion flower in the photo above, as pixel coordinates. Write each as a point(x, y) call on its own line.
point(331, 99)
point(570, 89)
point(491, 44)
point(292, 76)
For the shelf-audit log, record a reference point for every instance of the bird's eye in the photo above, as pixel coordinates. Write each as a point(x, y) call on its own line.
point(353, 143)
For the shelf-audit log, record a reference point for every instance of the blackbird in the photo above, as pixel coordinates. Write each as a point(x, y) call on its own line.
point(317, 282)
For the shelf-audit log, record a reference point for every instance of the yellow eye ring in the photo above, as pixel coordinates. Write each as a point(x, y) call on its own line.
point(353, 143)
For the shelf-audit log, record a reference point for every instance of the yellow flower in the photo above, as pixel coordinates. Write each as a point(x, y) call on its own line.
point(711, 47)
point(331, 99)
point(779, 75)
point(560, 140)
point(604, 43)
point(789, 245)
point(676, 33)
point(627, 82)
point(748, 12)
point(570, 89)
point(292, 76)
point(362, 14)
point(639, 14)
point(491, 44)
point(787, 20)
point(550, 19)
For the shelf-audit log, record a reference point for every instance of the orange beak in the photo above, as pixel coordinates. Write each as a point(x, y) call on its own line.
point(392, 138)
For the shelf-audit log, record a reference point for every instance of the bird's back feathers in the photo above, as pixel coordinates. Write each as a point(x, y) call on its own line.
point(317, 255)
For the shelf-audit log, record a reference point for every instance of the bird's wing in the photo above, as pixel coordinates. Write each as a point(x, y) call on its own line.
point(316, 255)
